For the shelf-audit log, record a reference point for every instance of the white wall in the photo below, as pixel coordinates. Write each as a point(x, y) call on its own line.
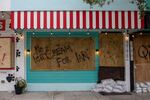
point(9, 86)
point(127, 62)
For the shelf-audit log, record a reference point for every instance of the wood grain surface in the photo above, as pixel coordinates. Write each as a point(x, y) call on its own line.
point(63, 53)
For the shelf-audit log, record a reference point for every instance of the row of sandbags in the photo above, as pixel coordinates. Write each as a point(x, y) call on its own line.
point(109, 85)
point(142, 87)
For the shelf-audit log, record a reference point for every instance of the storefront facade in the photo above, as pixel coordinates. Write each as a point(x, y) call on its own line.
point(67, 24)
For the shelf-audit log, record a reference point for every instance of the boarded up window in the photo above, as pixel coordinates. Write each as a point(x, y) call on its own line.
point(62, 53)
point(111, 50)
point(141, 46)
point(6, 53)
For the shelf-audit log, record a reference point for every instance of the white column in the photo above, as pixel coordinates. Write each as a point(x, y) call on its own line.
point(127, 63)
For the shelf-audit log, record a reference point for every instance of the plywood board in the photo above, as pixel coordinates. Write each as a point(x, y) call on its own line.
point(142, 73)
point(6, 52)
point(141, 47)
point(111, 50)
point(62, 53)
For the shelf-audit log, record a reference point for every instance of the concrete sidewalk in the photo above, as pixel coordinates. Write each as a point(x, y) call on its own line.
point(70, 96)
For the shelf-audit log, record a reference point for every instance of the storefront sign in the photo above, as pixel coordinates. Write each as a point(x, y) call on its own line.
point(2, 25)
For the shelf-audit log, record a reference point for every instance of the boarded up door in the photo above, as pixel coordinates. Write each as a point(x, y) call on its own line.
point(63, 53)
point(111, 56)
point(141, 46)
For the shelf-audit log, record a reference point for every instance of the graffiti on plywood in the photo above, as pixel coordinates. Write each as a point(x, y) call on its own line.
point(63, 53)
point(141, 47)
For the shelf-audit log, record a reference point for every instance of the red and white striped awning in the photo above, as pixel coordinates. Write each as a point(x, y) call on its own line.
point(76, 20)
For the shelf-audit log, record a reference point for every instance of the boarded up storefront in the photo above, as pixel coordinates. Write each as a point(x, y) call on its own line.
point(76, 62)
point(141, 45)
point(61, 57)
point(63, 53)
point(111, 56)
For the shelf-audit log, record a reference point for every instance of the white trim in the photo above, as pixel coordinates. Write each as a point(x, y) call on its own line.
point(87, 19)
point(55, 19)
point(35, 20)
point(81, 20)
point(100, 19)
point(41, 19)
point(61, 19)
point(106, 19)
point(15, 20)
point(74, 20)
point(113, 19)
point(127, 64)
point(28, 19)
point(132, 20)
point(119, 19)
point(48, 20)
point(22, 19)
point(68, 19)
point(139, 21)
point(94, 19)
point(126, 19)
